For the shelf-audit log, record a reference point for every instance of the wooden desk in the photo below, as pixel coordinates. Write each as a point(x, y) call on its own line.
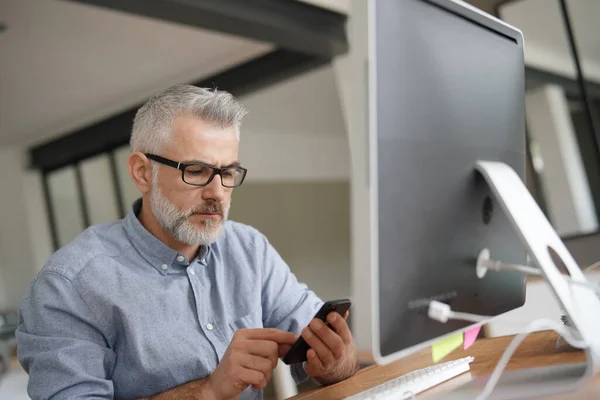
point(539, 349)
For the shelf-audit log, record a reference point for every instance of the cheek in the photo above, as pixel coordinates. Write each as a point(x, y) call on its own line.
point(183, 198)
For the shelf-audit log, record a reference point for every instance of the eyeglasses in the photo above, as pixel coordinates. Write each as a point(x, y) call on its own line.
point(197, 174)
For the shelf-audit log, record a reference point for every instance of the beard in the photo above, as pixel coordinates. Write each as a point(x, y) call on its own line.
point(177, 224)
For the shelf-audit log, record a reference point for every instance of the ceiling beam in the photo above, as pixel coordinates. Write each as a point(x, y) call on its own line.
point(304, 35)
point(115, 131)
point(289, 24)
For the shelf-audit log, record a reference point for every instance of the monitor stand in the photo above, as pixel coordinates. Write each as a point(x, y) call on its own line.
point(580, 304)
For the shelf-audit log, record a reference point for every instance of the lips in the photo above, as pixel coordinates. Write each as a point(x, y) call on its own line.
point(208, 213)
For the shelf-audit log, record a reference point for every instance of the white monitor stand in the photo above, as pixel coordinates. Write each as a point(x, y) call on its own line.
point(580, 304)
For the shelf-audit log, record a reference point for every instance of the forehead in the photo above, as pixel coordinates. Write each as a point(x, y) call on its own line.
point(194, 139)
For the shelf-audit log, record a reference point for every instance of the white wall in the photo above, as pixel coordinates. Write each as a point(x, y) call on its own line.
point(20, 228)
point(281, 157)
point(563, 177)
point(351, 78)
point(37, 218)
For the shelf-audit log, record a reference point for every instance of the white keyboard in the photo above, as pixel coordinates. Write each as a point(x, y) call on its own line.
point(409, 385)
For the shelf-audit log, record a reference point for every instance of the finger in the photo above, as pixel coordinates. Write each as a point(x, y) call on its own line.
point(284, 349)
point(252, 377)
point(272, 334)
point(346, 314)
point(324, 353)
point(260, 364)
point(314, 362)
point(331, 339)
point(340, 326)
point(262, 348)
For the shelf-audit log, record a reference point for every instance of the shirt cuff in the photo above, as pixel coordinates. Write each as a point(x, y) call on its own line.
point(298, 372)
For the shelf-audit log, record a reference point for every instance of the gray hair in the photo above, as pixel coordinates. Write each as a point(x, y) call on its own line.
point(154, 120)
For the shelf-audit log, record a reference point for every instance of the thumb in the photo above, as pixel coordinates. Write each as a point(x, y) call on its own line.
point(284, 349)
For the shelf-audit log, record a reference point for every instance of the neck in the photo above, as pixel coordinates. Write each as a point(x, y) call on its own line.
point(149, 221)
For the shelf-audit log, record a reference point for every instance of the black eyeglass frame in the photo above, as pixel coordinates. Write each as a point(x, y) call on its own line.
point(183, 166)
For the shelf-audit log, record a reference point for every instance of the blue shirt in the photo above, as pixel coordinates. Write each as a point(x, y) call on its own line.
point(118, 314)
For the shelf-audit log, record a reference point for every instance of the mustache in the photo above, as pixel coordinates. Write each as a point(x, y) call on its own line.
point(216, 208)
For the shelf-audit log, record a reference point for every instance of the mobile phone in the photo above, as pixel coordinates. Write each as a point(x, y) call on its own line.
point(297, 353)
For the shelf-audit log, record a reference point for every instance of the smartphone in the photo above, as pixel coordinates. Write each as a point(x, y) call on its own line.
point(297, 353)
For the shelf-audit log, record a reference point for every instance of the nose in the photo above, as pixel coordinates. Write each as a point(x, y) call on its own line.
point(214, 190)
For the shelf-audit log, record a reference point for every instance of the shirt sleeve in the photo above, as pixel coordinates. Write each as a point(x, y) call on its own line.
point(287, 304)
point(60, 346)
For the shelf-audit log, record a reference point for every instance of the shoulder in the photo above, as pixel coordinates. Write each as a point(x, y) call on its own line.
point(245, 236)
point(244, 242)
point(96, 243)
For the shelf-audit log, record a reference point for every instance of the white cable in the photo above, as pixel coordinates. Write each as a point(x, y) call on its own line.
point(591, 267)
point(584, 284)
point(499, 266)
point(517, 340)
point(442, 312)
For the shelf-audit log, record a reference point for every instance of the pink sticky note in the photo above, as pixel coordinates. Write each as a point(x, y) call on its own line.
point(470, 337)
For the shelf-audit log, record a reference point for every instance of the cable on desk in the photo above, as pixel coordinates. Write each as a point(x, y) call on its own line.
point(517, 340)
point(591, 267)
point(442, 312)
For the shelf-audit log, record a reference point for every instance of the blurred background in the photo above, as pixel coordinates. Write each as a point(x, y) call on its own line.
point(72, 74)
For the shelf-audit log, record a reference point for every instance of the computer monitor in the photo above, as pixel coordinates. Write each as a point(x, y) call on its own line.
point(446, 89)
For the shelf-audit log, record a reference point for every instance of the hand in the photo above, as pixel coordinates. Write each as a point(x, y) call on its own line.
point(333, 355)
point(249, 360)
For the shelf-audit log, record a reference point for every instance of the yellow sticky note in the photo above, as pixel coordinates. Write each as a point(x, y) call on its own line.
point(445, 346)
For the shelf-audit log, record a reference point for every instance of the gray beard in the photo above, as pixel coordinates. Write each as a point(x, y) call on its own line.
point(176, 222)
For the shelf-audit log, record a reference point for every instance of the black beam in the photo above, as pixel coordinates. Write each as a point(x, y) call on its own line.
point(50, 211)
point(85, 215)
point(292, 25)
point(115, 131)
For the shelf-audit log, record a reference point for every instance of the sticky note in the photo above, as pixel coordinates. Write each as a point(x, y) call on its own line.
point(471, 336)
point(445, 346)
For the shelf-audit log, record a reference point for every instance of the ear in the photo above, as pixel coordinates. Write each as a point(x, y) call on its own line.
point(140, 170)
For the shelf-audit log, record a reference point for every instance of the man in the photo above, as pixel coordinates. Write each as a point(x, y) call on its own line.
point(173, 302)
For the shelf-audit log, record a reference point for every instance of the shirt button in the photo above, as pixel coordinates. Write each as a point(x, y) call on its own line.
point(180, 258)
point(192, 272)
point(165, 267)
point(209, 327)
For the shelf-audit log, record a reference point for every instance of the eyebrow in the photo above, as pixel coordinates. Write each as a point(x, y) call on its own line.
point(234, 164)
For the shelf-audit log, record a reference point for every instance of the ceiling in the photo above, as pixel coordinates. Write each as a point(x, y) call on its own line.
point(65, 65)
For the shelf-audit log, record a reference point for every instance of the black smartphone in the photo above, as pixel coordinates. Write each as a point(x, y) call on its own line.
point(297, 353)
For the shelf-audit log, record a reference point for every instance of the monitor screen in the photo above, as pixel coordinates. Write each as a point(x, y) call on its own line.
point(447, 91)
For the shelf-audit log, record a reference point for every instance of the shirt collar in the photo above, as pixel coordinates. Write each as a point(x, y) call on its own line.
point(152, 249)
